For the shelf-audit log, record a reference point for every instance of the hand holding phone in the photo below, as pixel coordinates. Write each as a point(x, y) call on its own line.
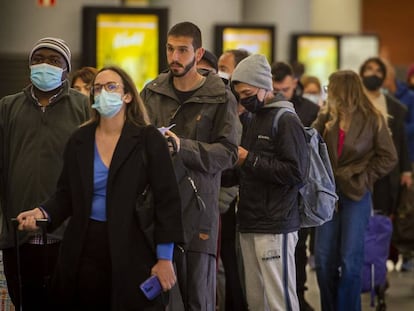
point(151, 287)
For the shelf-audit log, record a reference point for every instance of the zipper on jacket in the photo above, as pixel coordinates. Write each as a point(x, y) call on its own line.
point(175, 113)
point(180, 248)
point(201, 205)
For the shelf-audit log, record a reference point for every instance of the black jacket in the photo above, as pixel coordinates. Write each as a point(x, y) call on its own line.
point(130, 255)
point(386, 189)
point(306, 110)
point(272, 173)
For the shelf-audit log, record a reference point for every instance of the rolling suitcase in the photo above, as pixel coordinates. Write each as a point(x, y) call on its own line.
point(42, 223)
point(377, 243)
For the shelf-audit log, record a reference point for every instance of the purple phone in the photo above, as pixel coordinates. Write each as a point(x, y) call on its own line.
point(151, 287)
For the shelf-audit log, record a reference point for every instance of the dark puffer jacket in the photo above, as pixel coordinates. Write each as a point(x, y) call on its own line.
point(272, 173)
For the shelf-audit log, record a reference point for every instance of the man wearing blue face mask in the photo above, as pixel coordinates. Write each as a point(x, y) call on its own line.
point(34, 127)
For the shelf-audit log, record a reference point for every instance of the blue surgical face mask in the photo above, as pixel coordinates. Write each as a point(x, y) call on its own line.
point(46, 77)
point(108, 104)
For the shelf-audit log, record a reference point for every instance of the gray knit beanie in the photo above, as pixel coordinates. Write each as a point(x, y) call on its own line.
point(254, 70)
point(55, 44)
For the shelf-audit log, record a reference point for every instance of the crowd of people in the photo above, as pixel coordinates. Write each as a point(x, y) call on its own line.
point(79, 149)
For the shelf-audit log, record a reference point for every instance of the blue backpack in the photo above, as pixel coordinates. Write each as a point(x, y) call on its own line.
point(317, 196)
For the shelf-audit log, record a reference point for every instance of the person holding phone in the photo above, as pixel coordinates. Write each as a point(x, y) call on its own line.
point(108, 163)
point(205, 139)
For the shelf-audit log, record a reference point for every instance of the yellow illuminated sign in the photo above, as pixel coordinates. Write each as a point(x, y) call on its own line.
point(319, 55)
point(256, 41)
point(129, 41)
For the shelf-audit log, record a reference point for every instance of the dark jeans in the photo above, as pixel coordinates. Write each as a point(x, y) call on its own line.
point(37, 263)
point(339, 255)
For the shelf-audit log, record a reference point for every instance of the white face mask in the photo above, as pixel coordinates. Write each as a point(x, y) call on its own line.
point(314, 98)
point(223, 75)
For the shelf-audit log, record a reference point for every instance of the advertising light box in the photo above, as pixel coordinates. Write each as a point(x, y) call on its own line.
point(131, 38)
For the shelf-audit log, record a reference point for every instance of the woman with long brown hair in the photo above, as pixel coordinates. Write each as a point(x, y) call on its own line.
point(361, 151)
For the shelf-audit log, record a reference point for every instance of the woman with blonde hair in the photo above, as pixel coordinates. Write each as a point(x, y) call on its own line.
point(361, 151)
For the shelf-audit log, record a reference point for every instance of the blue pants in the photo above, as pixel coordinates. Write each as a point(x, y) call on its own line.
point(339, 255)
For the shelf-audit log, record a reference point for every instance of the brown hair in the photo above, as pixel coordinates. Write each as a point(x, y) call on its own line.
point(238, 54)
point(86, 74)
point(280, 70)
point(305, 80)
point(346, 95)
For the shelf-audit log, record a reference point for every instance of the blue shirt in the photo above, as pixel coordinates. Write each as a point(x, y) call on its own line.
point(100, 178)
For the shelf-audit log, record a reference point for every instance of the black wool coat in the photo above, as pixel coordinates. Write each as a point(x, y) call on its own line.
point(387, 189)
point(131, 257)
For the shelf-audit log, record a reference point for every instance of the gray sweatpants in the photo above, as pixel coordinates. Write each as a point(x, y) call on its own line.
point(270, 275)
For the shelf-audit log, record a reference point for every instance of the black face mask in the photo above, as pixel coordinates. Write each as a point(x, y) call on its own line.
point(252, 103)
point(372, 83)
point(245, 118)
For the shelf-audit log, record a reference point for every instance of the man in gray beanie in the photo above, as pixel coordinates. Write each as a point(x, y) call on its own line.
point(55, 44)
point(272, 167)
point(260, 77)
point(35, 125)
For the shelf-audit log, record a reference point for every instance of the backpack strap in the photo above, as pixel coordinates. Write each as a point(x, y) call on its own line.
point(278, 114)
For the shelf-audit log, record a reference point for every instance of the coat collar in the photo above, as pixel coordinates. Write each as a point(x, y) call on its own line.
point(85, 152)
point(62, 92)
point(212, 91)
point(351, 137)
point(130, 136)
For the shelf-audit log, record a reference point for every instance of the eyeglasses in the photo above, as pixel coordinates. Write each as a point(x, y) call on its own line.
point(54, 61)
point(110, 87)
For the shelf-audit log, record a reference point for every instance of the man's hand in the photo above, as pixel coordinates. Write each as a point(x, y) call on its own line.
point(164, 270)
point(171, 135)
point(242, 156)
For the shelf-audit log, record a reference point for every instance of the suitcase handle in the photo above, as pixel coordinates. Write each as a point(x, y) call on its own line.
point(39, 222)
point(42, 223)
